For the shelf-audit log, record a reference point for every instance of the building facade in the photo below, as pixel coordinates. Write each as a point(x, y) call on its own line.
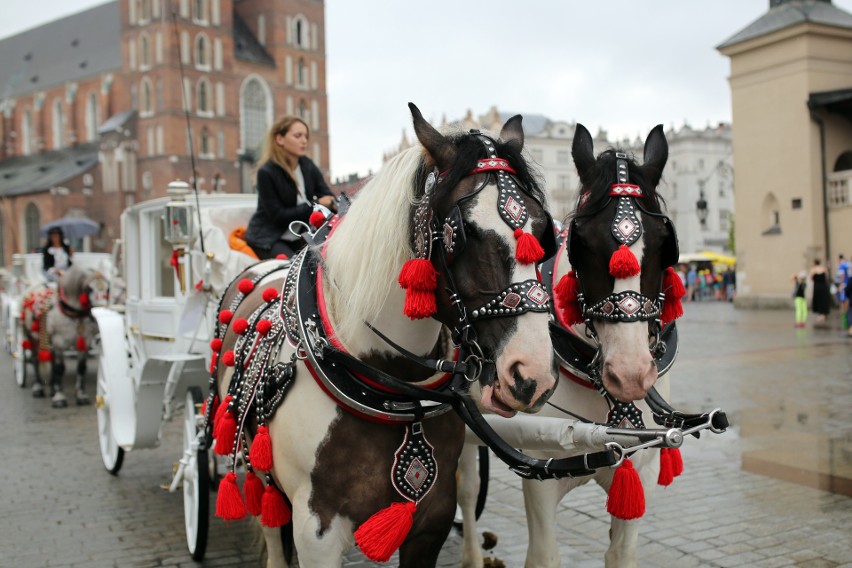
point(105, 107)
point(791, 92)
point(700, 168)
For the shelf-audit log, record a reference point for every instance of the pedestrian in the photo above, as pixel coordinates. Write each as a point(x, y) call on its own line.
point(841, 278)
point(821, 300)
point(848, 291)
point(692, 283)
point(288, 184)
point(56, 255)
point(800, 282)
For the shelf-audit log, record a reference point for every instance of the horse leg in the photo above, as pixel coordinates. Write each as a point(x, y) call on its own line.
point(41, 370)
point(432, 525)
point(541, 498)
point(58, 372)
point(82, 397)
point(468, 488)
point(274, 547)
point(316, 548)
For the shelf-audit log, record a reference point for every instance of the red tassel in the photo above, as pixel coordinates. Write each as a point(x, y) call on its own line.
point(672, 284)
point(83, 298)
point(626, 499)
point(419, 304)
point(213, 360)
point(269, 294)
point(228, 358)
point(316, 219)
point(274, 509)
point(623, 263)
point(254, 493)
point(260, 454)
point(229, 502)
point(666, 475)
point(44, 355)
point(240, 326)
point(26, 344)
point(566, 297)
point(245, 286)
point(677, 461)
point(383, 533)
point(81, 343)
point(215, 345)
point(419, 274)
point(225, 316)
point(224, 428)
point(263, 326)
point(35, 326)
point(216, 405)
point(528, 249)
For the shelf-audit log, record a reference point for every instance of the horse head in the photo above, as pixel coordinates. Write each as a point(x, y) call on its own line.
point(482, 222)
point(83, 288)
point(621, 245)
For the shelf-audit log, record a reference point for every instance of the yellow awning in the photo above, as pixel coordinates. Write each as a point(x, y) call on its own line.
point(719, 258)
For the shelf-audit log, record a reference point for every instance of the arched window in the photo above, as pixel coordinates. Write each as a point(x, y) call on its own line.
point(202, 51)
point(843, 162)
point(146, 105)
point(58, 124)
point(303, 109)
point(771, 211)
point(32, 221)
point(144, 51)
point(27, 138)
point(184, 47)
point(255, 113)
point(300, 77)
point(205, 149)
point(200, 10)
point(301, 33)
point(203, 95)
point(92, 118)
point(144, 10)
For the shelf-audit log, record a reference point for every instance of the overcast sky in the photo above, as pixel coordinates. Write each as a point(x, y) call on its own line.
point(621, 65)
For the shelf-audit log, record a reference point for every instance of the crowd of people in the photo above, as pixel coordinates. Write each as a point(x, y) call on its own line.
point(703, 283)
point(826, 292)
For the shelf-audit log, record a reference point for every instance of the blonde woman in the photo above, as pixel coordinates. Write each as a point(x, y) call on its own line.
point(288, 184)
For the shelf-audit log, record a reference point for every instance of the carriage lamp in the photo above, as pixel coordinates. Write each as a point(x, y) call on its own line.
point(701, 208)
point(178, 219)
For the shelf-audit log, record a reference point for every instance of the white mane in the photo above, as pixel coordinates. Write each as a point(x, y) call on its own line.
point(369, 247)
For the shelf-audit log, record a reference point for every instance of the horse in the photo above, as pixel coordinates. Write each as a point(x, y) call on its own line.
point(59, 319)
point(337, 361)
point(615, 302)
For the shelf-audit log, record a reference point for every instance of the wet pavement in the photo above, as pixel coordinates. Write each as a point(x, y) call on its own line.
point(772, 491)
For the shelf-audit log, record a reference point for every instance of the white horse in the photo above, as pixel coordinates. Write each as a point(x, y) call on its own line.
point(359, 457)
point(626, 341)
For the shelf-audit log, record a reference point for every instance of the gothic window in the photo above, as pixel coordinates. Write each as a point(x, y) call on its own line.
point(58, 120)
point(184, 47)
point(92, 119)
point(771, 210)
point(200, 10)
point(205, 150)
point(300, 78)
point(27, 138)
point(255, 113)
point(144, 51)
point(32, 222)
point(202, 51)
point(303, 109)
point(301, 34)
point(203, 104)
point(146, 106)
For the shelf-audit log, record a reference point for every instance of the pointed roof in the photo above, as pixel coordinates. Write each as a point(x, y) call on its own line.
point(788, 13)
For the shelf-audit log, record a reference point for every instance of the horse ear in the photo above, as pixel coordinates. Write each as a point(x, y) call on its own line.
point(513, 131)
point(582, 150)
point(656, 154)
point(442, 150)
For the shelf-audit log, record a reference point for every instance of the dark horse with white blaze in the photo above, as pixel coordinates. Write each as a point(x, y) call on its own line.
point(432, 268)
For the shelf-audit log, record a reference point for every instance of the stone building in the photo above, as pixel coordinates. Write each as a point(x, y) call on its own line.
point(93, 105)
point(791, 92)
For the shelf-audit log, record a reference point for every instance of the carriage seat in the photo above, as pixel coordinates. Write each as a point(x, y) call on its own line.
point(218, 225)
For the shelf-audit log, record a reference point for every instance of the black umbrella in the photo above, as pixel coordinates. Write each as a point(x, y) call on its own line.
point(72, 227)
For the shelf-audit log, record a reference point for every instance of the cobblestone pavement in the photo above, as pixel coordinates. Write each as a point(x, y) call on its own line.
point(787, 392)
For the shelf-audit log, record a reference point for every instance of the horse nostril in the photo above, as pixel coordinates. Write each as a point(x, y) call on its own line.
point(516, 373)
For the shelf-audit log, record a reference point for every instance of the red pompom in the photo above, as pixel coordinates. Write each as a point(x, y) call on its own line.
point(566, 299)
point(626, 499)
point(263, 326)
point(528, 250)
point(677, 461)
point(316, 219)
point(44, 355)
point(275, 512)
point(83, 298)
point(419, 304)
point(623, 263)
point(26, 344)
point(215, 345)
point(260, 455)
point(383, 533)
point(281, 256)
point(253, 488)
point(418, 274)
point(245, 286)
point(228, 358)
point(269, 294)
point(225, 316)
point(666, 475)
point(229, 503)
point(35, 326)
point(81, 343)
point(240, 325)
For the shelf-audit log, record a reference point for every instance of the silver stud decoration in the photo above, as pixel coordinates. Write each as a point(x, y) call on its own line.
point(414, 468)
point(526, 296)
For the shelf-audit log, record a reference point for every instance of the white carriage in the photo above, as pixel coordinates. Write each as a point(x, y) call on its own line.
point(26, 273)
point(155, 344)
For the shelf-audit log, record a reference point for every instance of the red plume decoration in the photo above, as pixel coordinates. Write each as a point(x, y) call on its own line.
point(626, 499)
point(623, 263)
point(566, 297)
point(528, 250)
point(383, 533)
point(419, 279)
point(674, 291)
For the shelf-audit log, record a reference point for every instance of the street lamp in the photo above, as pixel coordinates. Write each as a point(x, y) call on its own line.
point(701, 208)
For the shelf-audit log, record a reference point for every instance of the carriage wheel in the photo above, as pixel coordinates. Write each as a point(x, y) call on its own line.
point(111, 453)
point(19, 354)
point(196, 477)
point(484, 475)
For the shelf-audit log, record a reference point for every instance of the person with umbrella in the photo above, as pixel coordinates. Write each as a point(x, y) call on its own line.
point(56, 254)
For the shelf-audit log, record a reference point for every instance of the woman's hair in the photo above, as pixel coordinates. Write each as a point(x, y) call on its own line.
point(272, 151)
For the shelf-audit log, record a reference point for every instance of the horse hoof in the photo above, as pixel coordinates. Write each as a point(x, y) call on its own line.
point(38, 391)
point(83, 400)
point(59, 401)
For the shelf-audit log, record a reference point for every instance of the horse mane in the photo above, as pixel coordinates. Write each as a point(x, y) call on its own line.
point(73, 281)
point(602, 176)
point(367, 250)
